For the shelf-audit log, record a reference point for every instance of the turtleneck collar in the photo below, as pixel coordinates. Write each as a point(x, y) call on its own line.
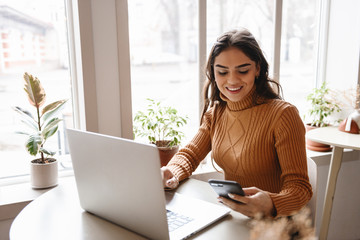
point(243, 104)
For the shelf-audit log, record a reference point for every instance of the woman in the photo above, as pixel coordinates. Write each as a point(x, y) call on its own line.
point(254, 136)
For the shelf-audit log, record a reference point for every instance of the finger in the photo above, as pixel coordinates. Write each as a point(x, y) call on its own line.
point(238, 198)
point(251, 190)
point(228, 202)
point(172, 182)
point(236, 206)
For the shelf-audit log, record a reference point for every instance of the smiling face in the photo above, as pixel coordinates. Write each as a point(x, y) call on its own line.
point(234, 73)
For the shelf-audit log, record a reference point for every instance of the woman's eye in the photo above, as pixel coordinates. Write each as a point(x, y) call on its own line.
point(243, 72)
point(222, 73)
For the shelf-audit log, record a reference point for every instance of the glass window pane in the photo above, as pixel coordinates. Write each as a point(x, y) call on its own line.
point(298, 51)
point(33, 39)
point(256, 16)
point(163, 49)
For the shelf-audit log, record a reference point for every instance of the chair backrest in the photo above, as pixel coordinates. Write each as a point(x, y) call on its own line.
point(312, 172)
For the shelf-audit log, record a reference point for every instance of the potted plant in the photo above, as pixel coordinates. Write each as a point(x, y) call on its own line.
point(161, 126)
point(322, 108)
point(44, 124)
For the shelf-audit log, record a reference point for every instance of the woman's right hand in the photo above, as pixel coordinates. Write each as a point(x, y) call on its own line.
point(170, 181)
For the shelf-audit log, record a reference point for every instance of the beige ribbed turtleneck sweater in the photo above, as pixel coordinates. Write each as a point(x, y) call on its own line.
point(256, 145)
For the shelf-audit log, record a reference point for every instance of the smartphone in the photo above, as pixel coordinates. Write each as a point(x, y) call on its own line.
point(224, 187)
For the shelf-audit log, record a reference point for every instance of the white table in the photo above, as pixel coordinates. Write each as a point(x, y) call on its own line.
point(57, 215)
point(339, 140)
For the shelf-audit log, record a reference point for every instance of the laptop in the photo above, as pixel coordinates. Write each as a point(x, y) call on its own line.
point(120, 180)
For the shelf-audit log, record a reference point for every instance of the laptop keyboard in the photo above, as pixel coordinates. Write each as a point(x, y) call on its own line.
point(176, 220)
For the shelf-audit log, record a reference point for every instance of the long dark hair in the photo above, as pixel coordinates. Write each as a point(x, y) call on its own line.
point(244, 41)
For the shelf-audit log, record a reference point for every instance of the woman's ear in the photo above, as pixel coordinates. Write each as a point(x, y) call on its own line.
point(257, 71)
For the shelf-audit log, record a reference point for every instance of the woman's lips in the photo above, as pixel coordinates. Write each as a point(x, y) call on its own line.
point(234, 90)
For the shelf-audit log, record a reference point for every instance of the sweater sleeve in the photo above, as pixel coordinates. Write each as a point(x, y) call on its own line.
point(184, 163)
point(290, 146)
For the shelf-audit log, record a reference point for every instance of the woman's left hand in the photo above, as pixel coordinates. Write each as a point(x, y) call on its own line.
point(255, 201)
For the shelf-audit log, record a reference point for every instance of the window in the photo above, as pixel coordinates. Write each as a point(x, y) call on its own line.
point(298, 40)
point(164, 48)
point(33, 39)
point(163, 52)
point(256, 16)
point(298, 51)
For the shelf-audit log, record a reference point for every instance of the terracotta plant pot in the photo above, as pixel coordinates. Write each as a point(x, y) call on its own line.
point(351, 124)
point(353, 128)
point(315, 146)
point(166, 153)
point(44, 175)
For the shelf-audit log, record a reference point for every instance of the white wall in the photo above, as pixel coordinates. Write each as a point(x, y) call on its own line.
point(342, 67)
point(345, 216)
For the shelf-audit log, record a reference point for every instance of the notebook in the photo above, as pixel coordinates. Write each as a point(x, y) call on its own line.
point(120, 180)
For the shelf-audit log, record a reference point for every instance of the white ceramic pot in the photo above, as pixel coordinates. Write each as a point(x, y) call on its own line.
point(43, 175)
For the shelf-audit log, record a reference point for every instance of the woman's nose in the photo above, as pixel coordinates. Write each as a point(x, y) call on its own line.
point(233, 78)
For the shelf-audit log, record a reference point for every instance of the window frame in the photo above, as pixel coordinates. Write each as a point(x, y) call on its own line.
point(102, 74)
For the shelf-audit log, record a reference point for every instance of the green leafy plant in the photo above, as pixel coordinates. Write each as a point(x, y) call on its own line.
point(44, 124)
point(322, 107)
point(159, 124)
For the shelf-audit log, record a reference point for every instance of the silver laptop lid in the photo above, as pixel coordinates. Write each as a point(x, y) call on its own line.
point(103, 190)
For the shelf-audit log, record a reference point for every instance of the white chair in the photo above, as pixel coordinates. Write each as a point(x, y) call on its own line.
point(312, 172)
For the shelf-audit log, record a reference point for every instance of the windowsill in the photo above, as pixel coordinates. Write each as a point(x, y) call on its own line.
point(64, 166)
point(14, 197)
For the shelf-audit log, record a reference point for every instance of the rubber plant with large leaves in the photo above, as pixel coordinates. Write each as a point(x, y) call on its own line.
point(44, 124)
